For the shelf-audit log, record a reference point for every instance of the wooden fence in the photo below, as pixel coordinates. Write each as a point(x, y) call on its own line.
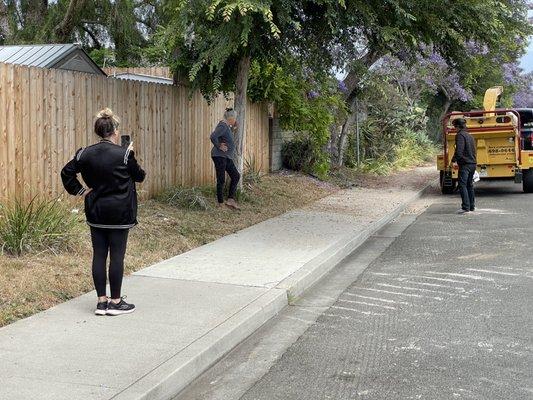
point(46, 114)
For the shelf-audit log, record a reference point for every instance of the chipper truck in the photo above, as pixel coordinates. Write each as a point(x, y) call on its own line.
point(501, 149)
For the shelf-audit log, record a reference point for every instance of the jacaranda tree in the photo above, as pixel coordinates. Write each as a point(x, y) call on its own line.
point(213, 42)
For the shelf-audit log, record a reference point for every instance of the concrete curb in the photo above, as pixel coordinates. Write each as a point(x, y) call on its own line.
point(303, 279)
point(171, 377)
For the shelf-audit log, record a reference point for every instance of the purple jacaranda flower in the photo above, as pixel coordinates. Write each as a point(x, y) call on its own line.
point(476, 49)
point(342, 87)
point(523, 98)
point(511, 73)
point(430, 73)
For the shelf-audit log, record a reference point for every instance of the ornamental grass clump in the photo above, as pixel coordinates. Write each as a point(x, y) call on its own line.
point(252, 172)
point(186, 198)
point(29, 226)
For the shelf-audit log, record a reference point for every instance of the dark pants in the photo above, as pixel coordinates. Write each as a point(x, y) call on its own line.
point(223, 165)
point(112, 242)
point(466, 186)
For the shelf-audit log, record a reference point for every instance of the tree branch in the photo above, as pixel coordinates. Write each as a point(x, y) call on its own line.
point(145, 22)
point(91, 34)
point(66, 26)
point(353, 78)
point(5, 29)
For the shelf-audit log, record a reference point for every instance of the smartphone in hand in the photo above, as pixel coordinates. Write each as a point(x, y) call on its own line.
point(125, 140)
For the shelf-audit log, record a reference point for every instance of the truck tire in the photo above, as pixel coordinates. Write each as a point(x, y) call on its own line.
point(527, 181)
point(446, 189)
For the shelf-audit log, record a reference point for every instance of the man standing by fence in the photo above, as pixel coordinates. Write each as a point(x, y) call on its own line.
point(223, 153)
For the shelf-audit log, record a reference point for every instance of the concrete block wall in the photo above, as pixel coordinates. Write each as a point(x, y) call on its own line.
point(277, 137)
point(276, 143)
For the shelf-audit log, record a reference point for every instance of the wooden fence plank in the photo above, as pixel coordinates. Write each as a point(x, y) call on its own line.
point(9, 112)
point(3, 132)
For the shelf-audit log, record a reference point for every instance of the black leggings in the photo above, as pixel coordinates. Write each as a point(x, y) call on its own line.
point(223, 165)
point(112, 241)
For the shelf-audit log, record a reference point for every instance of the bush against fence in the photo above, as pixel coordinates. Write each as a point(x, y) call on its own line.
point(46, 114)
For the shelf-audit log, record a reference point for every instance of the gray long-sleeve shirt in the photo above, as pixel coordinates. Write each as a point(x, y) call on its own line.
point(222, 134)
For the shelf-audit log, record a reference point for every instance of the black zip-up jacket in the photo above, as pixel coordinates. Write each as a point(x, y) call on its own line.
point(111, 172)
point(465, 148)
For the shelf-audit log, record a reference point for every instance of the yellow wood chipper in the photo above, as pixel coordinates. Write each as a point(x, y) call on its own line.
point(501, 151)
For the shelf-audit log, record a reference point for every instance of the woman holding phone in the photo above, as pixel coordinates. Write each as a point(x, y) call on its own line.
point(109, 172)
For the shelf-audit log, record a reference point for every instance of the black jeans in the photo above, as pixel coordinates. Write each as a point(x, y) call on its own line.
point(112, 241)
point(466, 186)
point(223, 165)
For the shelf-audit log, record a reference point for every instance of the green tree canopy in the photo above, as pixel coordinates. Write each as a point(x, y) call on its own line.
point(212, 43)
point(119, 29)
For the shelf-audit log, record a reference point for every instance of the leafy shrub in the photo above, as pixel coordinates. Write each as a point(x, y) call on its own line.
point(414, 149)
point(188, 198)
point(302, 154)
point(35, 225)
point(304, 103)
point(379, 166)
point(298, 154)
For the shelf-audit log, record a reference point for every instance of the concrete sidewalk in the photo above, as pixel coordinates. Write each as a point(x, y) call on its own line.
point(192, 309)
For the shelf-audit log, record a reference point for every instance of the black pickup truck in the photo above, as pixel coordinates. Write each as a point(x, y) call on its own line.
point(526, 127)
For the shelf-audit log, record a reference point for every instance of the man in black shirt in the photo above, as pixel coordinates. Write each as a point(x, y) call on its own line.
point(465, 158)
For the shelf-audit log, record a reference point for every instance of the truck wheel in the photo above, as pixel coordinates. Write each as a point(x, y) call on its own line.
point(527, 181)
point(446, 189)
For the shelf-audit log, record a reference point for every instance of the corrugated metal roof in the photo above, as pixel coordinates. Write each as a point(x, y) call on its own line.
point(44, 55)
point(143, 78)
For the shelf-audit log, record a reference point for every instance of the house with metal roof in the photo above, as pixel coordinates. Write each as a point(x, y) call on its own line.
point(57, 56)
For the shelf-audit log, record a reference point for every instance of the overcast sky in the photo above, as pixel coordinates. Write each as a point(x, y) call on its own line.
point(527, 61)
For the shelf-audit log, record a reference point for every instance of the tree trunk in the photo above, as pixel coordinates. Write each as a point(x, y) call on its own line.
point(241, 87)
point(64, 29)
point(346, 129)
point(445, 109)
point(352, 82)
point(5, 28)
point(353, 78)
point(333, 143)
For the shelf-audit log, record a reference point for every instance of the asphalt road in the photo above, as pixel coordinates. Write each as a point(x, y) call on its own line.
point(446, 312)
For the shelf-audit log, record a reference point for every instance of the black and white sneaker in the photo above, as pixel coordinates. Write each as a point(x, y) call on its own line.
point(101, 308)
point(120, 308)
